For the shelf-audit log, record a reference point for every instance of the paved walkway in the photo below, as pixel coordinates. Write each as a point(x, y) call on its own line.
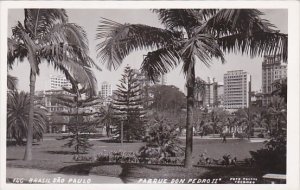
point(17, 175)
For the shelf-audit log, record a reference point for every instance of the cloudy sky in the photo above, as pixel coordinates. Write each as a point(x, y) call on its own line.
point(89, 19)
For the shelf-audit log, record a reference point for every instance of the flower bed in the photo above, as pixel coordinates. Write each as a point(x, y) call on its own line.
point(226, 160)
point(128, 157)
point(119, 157)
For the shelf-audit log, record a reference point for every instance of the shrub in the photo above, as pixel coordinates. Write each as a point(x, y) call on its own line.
point(162, 141)
point(226, 160)
point(260, 135)
point(241, 135)
point(272, 158)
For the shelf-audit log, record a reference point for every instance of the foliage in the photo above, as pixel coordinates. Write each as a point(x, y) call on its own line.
point(127, 106)
point(272, 158)
point(128, 157)
point(215, 121)
point(107, 118)
point(11, 82)
point(18, 114)
point(47, 36)
point(189, 35)
point(280, 88)
point(162, 140)
point(167, 98)
point(246, 117)
point(277, 111)
point(80, 123)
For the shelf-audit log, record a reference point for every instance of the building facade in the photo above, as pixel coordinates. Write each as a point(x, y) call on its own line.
point(106, 90)
point(211, 93)
point(59, 81)
point(272, 70)
point(237, 88)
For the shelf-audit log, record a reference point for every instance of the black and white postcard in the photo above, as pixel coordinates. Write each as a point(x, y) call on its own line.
point(181, 94)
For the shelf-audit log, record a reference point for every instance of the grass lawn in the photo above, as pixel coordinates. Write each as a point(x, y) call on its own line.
point(50, 155)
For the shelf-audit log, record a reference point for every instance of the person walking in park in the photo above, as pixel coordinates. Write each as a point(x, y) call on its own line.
point(224, 138)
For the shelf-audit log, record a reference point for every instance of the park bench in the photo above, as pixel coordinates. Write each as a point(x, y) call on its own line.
point(275, 178)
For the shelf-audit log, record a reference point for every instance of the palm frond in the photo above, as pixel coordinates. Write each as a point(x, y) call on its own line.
point(15, 50)
point(243, 30)
point(176, 19)
point(118, 40)
point(77, 69)
point(202, 46)
point(69, 33)
point(18, 115)
point(159, 62)
point(258, 44)
point(39, 21)
point(19, 32)
point(11, 82)
point(234, 21)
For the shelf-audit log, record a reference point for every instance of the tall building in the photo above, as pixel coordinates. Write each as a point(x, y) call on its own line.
point(237, 88)
point(272, 70)
point(106, 89)
point(209, 97)
point(59, 81)
point(211, 93)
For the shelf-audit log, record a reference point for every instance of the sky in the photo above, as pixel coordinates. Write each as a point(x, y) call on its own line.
point(89, 20)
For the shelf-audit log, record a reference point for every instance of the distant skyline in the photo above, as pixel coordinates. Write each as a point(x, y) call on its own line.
point(89, 20)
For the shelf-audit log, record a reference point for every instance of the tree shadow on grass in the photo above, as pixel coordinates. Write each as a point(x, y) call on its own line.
point(11, 159)
point(23, 144)
point(81, 169)
point(60, 152)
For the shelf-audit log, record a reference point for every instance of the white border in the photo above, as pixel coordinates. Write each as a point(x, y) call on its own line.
point(293, 83)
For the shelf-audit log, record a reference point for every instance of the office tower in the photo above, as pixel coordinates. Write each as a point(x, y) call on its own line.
point(59, 81)
point(237, 88)
point(272, 70)
point(106, 89)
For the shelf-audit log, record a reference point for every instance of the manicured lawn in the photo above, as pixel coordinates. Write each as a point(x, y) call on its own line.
point(50, 155)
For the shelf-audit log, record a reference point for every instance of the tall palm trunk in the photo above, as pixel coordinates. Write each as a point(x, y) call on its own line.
point(189, 126)
point(28, 150)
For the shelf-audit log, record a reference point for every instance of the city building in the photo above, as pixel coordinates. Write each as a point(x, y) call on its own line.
point(272, 70)
point(237, 88)
point(211, 95)
point(106, 90)
point(59, 81)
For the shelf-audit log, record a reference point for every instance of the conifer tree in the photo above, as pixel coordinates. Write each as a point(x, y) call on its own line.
point(80, 122)
point(128, 106)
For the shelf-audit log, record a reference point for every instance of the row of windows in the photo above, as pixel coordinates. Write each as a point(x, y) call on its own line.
point(235, 104)
point(56, 109)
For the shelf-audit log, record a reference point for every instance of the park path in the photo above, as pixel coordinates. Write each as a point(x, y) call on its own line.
point(45, 176)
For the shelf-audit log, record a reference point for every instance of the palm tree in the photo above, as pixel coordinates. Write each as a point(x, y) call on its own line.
point(189, 34)
point(247, 117)
point(277, 111)
point(231, 122)
point(260, 120)
point(18, 115)
point(106, 118)
point(46, 36)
